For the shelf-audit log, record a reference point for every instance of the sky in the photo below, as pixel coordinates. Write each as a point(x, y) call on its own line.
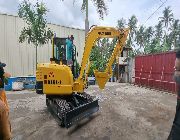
point(68, 14)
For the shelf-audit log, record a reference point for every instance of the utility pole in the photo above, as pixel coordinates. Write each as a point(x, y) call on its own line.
point(86, 20)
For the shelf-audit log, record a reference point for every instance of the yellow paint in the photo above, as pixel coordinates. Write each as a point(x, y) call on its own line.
point(91, 38)
point(101, 78)
point(63, 73)
point(57, 79)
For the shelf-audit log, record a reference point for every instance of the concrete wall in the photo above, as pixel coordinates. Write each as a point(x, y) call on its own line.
point(131, 70)
point(20, 58)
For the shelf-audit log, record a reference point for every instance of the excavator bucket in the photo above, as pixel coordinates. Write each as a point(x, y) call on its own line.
point(102, 78)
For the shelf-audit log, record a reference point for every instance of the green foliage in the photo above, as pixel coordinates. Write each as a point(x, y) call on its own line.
point(121, 23)
point(162, 37)
point(36, 31)
point(100, 5)
point(92, 68)
point(167, 17)
point(33, 15)
point(132, 24)
point(100, 54)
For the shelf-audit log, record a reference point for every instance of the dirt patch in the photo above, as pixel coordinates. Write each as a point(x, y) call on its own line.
point(126, 112)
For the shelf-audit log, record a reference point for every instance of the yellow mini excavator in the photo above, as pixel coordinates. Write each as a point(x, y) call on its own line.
point(63, 86)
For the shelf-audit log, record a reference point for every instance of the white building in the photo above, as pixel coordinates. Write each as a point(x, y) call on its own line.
point(20, 58)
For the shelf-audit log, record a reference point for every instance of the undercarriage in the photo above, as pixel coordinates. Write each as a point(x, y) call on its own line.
point(68, 110)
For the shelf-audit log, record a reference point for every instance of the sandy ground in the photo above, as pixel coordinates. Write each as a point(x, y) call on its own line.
point(126, 112)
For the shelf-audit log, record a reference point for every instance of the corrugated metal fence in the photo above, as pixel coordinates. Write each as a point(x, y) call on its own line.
point(20, 58)
point(156, 71)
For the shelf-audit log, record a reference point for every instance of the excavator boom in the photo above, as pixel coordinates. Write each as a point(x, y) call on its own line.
point(94, 34)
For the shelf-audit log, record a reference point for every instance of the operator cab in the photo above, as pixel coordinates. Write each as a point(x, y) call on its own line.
point(59, 50)
point(64, 52)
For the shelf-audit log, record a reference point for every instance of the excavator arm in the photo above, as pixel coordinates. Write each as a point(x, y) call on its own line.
point(94, 34)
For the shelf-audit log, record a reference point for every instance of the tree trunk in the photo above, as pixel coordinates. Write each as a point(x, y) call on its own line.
point(86, 20)
point(36, 56)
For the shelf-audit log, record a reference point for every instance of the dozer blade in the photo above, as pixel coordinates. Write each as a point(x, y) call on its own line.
point(80, 112)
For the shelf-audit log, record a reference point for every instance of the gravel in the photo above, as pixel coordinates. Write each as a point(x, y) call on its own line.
point(127, 112)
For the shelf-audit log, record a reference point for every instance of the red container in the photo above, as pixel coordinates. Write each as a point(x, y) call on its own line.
point(156, 71)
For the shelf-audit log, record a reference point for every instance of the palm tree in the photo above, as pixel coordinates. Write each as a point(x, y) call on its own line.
point(132, 23)
point(101, 7)
point(148, 34)
point(140, 36)
point(156, 41)
point(158, 31)
point(121, 23)
point(175, 32)
point(167, 17)
point(166, 20)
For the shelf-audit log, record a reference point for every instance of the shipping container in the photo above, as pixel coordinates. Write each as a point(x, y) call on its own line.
point(156, 71)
